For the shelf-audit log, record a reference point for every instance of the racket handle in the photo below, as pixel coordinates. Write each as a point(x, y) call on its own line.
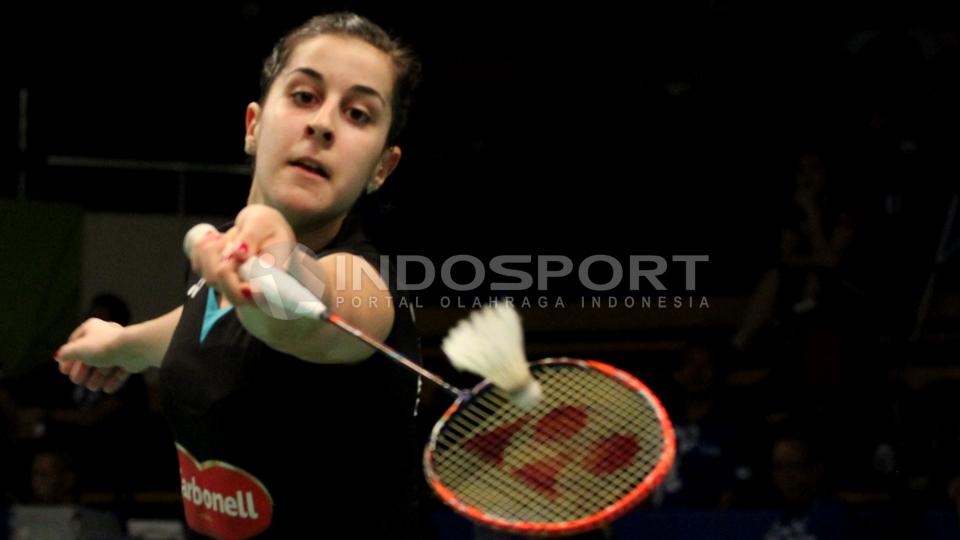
point(195, 233)
point(286, 297)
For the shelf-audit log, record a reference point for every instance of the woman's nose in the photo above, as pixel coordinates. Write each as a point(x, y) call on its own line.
point(321, 124)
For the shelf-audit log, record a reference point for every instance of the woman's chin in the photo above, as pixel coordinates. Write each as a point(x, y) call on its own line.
point(297, 201)
point(305, 216)
point(304, 207)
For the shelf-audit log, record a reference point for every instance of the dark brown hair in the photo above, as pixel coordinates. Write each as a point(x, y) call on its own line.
point(352, 25)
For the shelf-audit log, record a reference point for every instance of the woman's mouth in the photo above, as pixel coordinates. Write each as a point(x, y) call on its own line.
point(312, 168)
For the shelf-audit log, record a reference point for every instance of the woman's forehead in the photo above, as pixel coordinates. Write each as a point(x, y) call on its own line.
point(344, 60)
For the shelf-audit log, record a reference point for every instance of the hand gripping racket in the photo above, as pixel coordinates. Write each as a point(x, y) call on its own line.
point(594, 445)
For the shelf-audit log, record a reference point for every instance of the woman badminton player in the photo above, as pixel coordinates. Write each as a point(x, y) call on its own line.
point(283, 430)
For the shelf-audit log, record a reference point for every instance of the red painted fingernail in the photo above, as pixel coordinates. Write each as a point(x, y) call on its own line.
point(239, 252)
point(247, 293)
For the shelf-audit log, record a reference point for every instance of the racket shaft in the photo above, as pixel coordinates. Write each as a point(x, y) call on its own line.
point(284, 294)
point(394, 355)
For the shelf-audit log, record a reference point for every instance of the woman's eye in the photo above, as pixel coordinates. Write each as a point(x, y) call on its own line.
point(303, 98)
point(359, 116)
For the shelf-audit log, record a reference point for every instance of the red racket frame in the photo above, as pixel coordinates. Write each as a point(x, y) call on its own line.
point(598, 519)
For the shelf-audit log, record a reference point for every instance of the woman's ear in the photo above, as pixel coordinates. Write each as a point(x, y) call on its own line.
point(252, 122)
point(388, 162)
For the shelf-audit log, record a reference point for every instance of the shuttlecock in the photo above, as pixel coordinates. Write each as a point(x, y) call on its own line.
point(489, 343)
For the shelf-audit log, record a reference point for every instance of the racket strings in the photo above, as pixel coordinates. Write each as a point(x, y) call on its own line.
point(549, 467)
point(588, 444)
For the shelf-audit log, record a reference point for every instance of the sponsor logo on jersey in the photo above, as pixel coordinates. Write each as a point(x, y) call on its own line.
point(223, 501)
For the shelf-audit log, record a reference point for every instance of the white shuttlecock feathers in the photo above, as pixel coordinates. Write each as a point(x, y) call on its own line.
point(489, 343)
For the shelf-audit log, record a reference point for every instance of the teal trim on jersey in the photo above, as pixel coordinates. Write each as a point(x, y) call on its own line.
point(212, 314)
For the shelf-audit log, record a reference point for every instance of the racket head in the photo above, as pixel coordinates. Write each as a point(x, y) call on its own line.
point(597, 444)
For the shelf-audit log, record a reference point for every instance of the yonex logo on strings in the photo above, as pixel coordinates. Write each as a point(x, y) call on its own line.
point(604, 456)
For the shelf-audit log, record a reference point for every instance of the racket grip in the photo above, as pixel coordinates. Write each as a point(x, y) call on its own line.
point(195, 233)
point(286, 298)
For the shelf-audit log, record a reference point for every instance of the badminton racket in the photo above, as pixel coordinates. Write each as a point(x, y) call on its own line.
point(593, 444)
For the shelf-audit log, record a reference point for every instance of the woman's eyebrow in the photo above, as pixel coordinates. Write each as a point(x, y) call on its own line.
point(357, 88)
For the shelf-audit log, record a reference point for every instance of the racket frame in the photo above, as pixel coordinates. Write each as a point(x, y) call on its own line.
point(598, 519)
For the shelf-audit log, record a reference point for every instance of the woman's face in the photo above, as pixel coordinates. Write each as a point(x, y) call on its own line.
point(320, 134)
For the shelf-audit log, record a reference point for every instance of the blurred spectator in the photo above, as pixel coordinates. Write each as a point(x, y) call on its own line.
point(49, 509)
point(707, 467)
point(52, 480)
point(953, 491)
point(815, 235)
point(807, 513)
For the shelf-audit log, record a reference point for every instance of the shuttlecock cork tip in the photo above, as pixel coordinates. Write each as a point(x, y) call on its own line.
point(489, 343)
point(528, 396)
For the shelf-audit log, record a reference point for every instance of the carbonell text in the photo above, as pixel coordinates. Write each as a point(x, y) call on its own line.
point(238, 505)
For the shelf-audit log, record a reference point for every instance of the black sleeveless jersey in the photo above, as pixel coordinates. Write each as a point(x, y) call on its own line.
point(271, 446)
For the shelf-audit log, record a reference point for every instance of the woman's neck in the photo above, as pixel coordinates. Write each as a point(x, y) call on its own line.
point(316, 237)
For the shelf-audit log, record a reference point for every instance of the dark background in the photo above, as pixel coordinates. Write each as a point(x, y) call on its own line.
point(656, 129)
point(664, 128)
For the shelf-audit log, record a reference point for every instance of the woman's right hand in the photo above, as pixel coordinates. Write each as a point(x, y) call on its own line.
point(258, 230)
point(95, 379)
point(93, 356)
